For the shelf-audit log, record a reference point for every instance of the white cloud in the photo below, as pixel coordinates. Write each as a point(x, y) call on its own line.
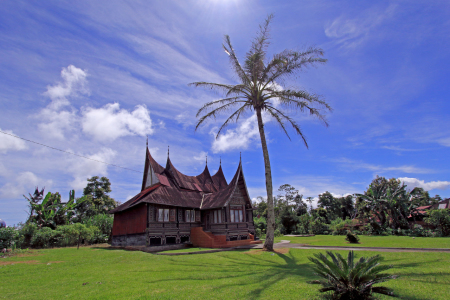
point(351, 32)
point(354, 165)
point(8, 143)
point(201, 157)
point(24, 183)
point(74, 83)
point(57, 120)
point(110, 122)
point(242, 137)
point(83, 169)
point(431, 185)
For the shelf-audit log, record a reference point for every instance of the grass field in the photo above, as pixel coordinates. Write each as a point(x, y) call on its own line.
point(371, 241)
point(188, 250)
point(101, 273)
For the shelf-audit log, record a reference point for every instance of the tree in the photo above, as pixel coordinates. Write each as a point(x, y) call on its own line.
point(440, 218)
point(95, 199)
point(348, 279)
point(388, 200)
point(261, 90)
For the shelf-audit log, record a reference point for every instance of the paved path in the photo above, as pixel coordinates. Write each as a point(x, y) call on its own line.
point(287, 244)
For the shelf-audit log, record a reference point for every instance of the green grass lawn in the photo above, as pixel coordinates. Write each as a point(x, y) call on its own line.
point(245, 274)
point(371, 241)
point(192, 249)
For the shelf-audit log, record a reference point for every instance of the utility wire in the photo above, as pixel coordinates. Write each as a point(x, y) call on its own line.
point(18, 137)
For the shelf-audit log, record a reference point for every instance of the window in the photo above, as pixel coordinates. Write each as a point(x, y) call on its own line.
point(190, 216)
point(163, 215)
point(236, 215)
point(217, 216)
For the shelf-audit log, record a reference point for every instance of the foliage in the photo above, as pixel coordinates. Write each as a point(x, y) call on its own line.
point(388, 201)
point(339, 226)
point(318, 226)
point(8, 236)
point(78, 232)
point(256, 92)
point(50, 211)
point(95, 199)
point(348, 279)
point(304, 224)
point(342, 207)
point(43, 238)
point(104, 223)
point(440, 218)
point(352, 237)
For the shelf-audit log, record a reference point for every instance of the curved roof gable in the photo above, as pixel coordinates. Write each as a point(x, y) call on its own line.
point(200, 183)
point(219, 179)
point(222, 197)
point(152, 172)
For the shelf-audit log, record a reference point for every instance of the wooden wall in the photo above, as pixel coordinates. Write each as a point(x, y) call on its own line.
point(130, 221)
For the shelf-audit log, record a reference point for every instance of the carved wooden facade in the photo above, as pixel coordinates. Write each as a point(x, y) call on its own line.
point(170, 204)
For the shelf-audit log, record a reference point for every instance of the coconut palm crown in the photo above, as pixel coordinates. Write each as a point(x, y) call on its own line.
point(349, 280)
point(261, 89)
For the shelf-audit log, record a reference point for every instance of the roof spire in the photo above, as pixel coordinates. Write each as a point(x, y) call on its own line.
point(221, 160)
point(207, 159)
point(147, 142)
point(168, 151)
point(240, 156)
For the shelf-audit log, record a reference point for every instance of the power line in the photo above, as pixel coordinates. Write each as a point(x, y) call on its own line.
point(18, 137)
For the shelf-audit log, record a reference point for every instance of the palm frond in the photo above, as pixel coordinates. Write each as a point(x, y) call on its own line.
point(234, 117)
point(234, 60)
point(291, 121)
point(212, 104)
point(214, 112)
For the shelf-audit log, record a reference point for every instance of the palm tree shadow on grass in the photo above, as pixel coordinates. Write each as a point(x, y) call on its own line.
point(246, 270)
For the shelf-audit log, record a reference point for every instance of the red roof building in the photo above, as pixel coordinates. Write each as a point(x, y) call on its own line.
point(174, 208)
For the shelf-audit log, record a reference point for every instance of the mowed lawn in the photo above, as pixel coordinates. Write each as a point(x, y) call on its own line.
point(371, 241)
point(101, 273)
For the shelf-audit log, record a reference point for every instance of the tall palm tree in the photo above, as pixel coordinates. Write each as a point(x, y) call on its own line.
point(261, 89)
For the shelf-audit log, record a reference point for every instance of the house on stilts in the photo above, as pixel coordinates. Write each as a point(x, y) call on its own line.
point(173, 208)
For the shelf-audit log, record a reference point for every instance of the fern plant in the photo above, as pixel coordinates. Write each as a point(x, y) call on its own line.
point(349, 280)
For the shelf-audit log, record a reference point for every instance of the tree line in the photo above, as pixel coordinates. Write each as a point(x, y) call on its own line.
point(386, 207)
point(52, 222)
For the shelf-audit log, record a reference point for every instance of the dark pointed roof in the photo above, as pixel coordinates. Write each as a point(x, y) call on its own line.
point(223, 196)
point(177, 189)
point(150, 163)
point(219, 179)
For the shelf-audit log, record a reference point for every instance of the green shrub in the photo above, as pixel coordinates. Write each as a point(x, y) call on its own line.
point(440, 218)
point(8, 237)
point(42, 238)
point(352, 238)
point(26, 234)
point(277, 233)
point(318, 226)
point(351, 280)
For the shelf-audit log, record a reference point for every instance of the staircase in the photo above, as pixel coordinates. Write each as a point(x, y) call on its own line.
point(200, 238)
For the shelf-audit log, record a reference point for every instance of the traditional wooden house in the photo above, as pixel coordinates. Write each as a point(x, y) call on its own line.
point(173, 208)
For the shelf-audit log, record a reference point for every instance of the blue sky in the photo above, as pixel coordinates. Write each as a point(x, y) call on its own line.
point(96, 77)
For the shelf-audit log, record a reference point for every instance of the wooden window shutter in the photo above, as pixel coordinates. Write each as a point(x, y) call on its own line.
point(197, 216)
point(172, 216)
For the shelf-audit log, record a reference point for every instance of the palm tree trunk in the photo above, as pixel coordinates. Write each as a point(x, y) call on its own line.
point(268, 244)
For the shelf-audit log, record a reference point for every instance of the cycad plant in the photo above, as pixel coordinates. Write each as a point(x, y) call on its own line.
point(349, 280)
